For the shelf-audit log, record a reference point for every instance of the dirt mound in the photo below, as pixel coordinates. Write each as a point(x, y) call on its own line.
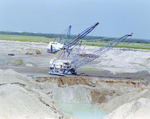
point(134, 110)
point(22, 98)
point(17, 62)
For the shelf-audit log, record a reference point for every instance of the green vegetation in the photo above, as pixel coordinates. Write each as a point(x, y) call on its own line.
point(120, 45)
point(88, 40)
point(26, 38)
point(134, 45)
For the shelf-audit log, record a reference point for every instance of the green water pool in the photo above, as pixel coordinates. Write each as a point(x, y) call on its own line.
point(83, 111)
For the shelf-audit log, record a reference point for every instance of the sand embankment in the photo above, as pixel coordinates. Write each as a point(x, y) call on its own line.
point(137, 109)
point(21, 98)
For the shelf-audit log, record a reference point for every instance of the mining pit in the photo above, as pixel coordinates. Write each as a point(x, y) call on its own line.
point(117, 83)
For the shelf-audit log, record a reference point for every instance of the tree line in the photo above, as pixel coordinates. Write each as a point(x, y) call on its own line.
point(87, 38)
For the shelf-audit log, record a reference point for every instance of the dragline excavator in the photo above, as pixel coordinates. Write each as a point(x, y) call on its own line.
point(68, 61)
point(56, 46)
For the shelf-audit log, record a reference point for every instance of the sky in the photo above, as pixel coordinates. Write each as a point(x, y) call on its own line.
point(115, 17)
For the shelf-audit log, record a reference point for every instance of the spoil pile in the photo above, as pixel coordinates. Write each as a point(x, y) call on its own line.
point(138, 109)
point(21, 99)
point(122, 60)
point(17, 62)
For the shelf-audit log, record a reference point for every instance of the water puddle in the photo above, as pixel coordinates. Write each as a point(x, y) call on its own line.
point(83, 111)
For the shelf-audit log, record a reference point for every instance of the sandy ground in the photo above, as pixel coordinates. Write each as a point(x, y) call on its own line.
point(109, 64)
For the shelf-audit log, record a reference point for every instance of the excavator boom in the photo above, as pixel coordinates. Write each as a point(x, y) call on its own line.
point(99, 52)
point(79, 36)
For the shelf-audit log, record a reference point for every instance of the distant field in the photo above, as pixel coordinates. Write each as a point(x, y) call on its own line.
point(26, 38)
point(120, 45)
point(47, 40)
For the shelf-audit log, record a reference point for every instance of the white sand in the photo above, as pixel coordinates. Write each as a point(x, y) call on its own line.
point(134, 110)
point(21, 47)
point(20, 98)
point(122, 60)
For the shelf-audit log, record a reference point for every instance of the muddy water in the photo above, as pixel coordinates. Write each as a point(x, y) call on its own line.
point(82, 110)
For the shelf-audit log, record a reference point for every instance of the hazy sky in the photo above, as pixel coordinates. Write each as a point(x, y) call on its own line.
point(116, 17)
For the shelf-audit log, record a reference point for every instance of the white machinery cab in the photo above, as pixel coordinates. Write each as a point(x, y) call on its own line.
point(54, 47)
point(60, 67)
